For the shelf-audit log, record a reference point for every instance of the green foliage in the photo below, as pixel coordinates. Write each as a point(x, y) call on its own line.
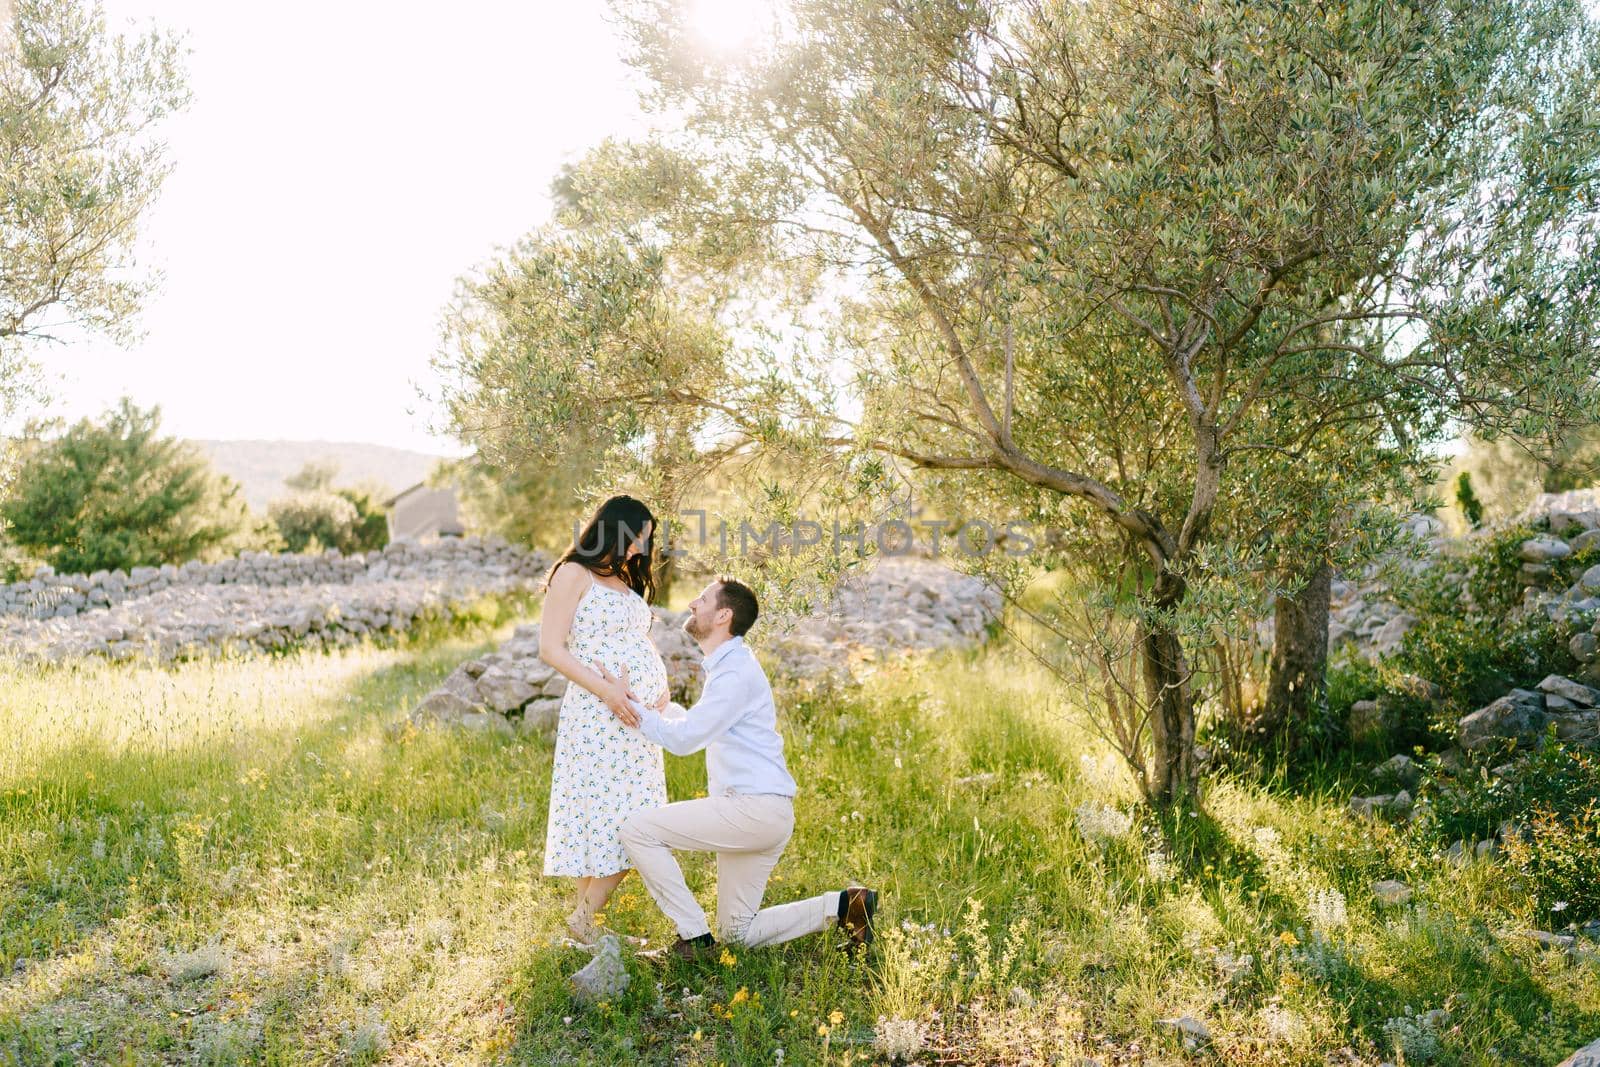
point(1557, 855)
point(1470, 638)
point(319, 516)
point(1476, 658)
point(1155, 306)
point(80, 164)
point(1467, 500)
point(115, 494)
point(370, 531)
point(1471, 802)
point(527, 499)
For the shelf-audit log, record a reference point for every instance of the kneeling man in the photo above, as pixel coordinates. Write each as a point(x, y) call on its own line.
point(748, 816)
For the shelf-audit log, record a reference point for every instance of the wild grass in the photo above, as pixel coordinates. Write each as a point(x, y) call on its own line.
point(251, 861)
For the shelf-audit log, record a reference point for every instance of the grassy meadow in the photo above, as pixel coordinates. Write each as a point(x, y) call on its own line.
point(254, 861)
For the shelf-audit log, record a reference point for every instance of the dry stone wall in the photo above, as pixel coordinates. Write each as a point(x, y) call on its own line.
point(257, 600)
point(900, 605)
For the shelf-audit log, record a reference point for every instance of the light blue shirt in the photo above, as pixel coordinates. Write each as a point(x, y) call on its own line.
point(734, 721)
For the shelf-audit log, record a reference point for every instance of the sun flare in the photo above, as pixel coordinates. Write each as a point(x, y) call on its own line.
point(727, 25)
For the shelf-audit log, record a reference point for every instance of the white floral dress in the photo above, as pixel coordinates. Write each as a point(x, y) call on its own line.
point(604, 771)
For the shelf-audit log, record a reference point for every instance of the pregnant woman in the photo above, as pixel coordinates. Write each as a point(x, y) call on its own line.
point(595, 612)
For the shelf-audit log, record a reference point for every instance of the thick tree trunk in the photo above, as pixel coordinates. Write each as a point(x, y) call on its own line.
point(1166, 674)
point(1298, 682)
point(666, 569)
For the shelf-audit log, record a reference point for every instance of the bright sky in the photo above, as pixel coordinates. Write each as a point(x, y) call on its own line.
point(341, 164)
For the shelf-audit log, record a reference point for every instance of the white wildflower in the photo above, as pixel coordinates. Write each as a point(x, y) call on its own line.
point(898, 1039)
point(1282, 1024)
point(1415, 1037)
point(1103, 774)
point(1099, 822)
point(1159, 866)
point(1327, 909)
point(203, 962)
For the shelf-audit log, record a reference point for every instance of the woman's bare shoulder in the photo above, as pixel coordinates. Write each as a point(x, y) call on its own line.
point(569, 577)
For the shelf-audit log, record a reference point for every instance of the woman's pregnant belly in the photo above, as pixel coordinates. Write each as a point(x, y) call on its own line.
point(647, 674)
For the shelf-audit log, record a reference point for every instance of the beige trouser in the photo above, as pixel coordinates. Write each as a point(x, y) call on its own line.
point(747, 832)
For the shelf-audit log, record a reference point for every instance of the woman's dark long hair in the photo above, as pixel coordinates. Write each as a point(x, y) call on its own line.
point(603, 545)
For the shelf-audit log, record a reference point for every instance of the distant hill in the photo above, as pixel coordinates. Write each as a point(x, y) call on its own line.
point(261, 466)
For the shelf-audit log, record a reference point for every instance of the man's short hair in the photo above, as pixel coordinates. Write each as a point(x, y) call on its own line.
point(738, 598)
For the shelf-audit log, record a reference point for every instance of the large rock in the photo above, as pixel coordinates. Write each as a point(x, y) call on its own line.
point(1578, 693)
point(444, 706)
point(503, 690)
point(604, 977)
point(1400, 770)
point(1511, 718)
point(542, 715)
point(1545, 549)
point(1587, 1056)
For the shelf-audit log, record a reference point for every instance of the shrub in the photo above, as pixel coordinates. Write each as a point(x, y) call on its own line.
point(114, 493)
point(1474, 659)
point(316, 515)
point(1557, 856)
point(1471, 803)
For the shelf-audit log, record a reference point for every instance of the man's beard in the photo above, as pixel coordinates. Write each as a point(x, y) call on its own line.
point(691, 626)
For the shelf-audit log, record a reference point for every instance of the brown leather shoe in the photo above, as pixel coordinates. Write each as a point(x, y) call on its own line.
point(692, 948)
point(859, 906)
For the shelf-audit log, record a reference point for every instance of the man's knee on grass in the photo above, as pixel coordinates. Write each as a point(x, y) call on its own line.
point(633, 832)
point(735, 929)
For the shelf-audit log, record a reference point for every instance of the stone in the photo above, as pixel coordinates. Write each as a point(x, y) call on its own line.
point(1578, 727)
point(1545, 939)
point(1374, 806)
point(605, 977)
point(1391, 892)
point(1544, 549)
point(1576, 692)
point(504, 691)
point(1506, 719)
point(1583, 646)
point(486, 721)
point(1590, 582)
point(1563, 519)
point(446, 707)
point(1191, 1031)
point(541, 715)
point(1585, 541)
point(1390, 633)
point(1365, 722)
point(1587, 1056)
point(1400, 769)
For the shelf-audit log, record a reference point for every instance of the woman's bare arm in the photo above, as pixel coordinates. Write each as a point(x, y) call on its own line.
point(567, 587)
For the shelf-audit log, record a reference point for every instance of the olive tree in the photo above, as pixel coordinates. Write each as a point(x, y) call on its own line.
point(1147, 271)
